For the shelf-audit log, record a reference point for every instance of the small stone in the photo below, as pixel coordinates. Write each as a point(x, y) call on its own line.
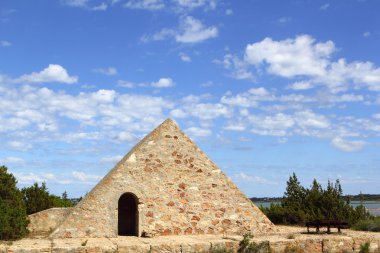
point(176, 231)
point(188, 231)
point(167, 232)
point(226, 222)
point(171, 203)
point(195, 218)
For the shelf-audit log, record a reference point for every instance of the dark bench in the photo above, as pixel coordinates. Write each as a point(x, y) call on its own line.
point(327, 223)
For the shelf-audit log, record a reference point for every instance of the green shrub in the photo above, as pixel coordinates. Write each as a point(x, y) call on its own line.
point(246, 246)
point(370, 224)
point(13, 218)
point(364, 248)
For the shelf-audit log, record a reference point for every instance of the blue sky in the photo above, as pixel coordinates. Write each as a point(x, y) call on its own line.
point(265, 88)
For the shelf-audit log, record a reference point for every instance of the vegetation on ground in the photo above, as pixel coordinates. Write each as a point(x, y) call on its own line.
point(371, 224)
point(247, 246)
point(365, 247)
point(300, 204)
point(16, 204)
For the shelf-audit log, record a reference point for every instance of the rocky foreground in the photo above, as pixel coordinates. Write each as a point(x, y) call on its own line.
point(291, 237)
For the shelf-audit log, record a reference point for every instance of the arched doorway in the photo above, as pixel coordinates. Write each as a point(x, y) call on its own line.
point(128, 215)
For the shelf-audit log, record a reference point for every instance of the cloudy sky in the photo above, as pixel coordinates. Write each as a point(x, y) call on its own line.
point(265, 88)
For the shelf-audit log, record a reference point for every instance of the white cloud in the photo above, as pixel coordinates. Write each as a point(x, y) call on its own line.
point(11, 160)
point(208, 111)
point(76, 3)
point(31, 178)
point(151, 5)
point(41, 112)
point(53, 73)
point(193, 31)
point(248, 178)
point(341, 73)
point(304, 59)
point(190, 30)
point(110, 71)
point(366, 34)
point(229, 12)
point(164, 82)
point(239, 67)
point(85, 177)
point(198, 132)
point(188, 5)
point(325, 6)
point(111, 159)
point(347, 146)
point(18, 145)
point(235, 127)
point(274, 125)
point(184, 57)
point(284, 20)
point(125, 136)
point(291, 57)
point(28, 178)
point(301, 85)
point(178, 113)
point(4, 43)
point(248, 99)
point(100, 7)
point(306, 119)
point(128, 84)
point(86, 4)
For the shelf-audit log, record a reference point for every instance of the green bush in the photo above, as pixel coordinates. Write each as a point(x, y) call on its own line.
point(370, 224)
point(246, 246)
point(13, 217)
point(364, 248)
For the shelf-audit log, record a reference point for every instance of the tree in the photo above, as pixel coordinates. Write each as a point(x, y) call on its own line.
point(294, 201)
point(37, 198)
point(314, 201)
point(13, 218)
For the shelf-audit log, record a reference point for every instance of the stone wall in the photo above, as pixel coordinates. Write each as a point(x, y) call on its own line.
point(191, 244)
point(179, 190)
point(48, 220)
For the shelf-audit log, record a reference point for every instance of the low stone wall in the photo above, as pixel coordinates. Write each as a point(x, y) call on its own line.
point(280, 243)
point(46, 221)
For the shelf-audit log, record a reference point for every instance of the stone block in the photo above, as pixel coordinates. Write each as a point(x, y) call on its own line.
point(30, 246)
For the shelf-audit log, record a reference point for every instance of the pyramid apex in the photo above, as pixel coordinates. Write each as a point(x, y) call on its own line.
point(168, 122)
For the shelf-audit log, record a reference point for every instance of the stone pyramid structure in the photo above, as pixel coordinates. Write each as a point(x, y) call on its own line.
point(164, 186)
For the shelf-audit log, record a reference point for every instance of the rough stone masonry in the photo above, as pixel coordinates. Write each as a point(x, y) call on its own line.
point(173, 189)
